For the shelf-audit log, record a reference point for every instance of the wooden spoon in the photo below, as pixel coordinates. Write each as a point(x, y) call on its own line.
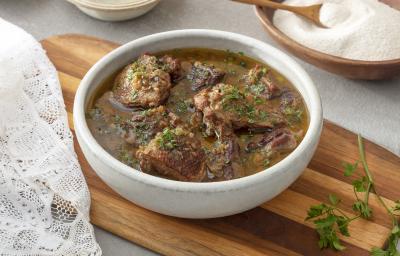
point(310, 12)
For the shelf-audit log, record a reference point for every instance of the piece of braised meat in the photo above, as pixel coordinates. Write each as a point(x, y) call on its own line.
point(142, 84)
point(223, 159)
point(279, 140)
point(147, 82)
point(174, 153)
point(227, 103)
point(142, 126)
point(202, 75)
point(291, 106)
point(172, 66)
point(260, 83)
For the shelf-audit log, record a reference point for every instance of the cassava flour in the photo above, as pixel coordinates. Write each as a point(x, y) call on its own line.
point(357, 29)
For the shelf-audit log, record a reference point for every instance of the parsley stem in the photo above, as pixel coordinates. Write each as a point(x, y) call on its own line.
point(347, 217)
point(363, 160)
point(385, 206)
point(370, 185)
point(355, 193)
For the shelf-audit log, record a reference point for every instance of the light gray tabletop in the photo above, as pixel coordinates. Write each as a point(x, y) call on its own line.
point(372, 108)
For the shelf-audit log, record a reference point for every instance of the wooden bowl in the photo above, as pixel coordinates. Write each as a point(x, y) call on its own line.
point(354, 69)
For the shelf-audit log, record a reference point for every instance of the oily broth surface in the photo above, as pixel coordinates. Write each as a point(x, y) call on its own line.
point(236, 65)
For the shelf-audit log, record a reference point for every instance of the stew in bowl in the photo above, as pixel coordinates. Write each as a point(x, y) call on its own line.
point(198, 114)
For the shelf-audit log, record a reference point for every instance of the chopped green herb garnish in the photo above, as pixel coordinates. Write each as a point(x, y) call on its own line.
point(246, 111)
point(134, 95)
point(264, 70)
point(230, 56)
point(181, 106)
point(263, 115)
point(95, 113)
point(129, 75)
point(258, 100)
point(117, 118)
point(294, 115)
point(127, 158)
point(266, 162)
point(257, 89)
point(233, 94)
point(167, 140)
point(136, 69)
point(243, 64)
point(232, 72)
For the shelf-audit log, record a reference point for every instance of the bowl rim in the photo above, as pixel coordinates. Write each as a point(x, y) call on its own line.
point(85, 136)
point(281, 37)
point(115, 7)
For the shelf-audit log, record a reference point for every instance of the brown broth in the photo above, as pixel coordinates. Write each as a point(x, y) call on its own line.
point(236, 65)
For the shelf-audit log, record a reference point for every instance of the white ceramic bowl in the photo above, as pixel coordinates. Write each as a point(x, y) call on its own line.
point(189, 199)
point(115, 12)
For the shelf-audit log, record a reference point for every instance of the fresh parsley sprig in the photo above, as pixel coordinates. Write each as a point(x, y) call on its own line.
point(329, 220)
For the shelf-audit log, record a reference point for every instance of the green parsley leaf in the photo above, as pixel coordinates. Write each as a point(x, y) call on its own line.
point(325, 222)
point(181, 106)
point(316, 210)
point(343, 224)
point(360, 185)
point(378, 252)
point(333, 199)
point(395, 229)
point(266, 162)
point(363, 209)
point(349, 169)
point(258, 101)
point(327, 235)
point(167, 140)
point(397, 206)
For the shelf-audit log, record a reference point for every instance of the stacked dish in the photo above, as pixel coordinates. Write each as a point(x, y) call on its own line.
point(115, 10)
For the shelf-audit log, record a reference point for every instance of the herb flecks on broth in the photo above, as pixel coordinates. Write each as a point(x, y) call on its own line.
point(198, 115)
point(167, 140)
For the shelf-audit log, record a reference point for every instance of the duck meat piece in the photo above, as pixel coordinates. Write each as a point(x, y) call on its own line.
point(223, 159)
point(196, 119)
point(203, 74)
point(140, 127)
point(142, 84)
point(214, 124)
point(136, 127)
point(172, 66)
point(291, 106)
point(166, 63)
point(279, 140)
point(289, 99)
point(226, 103)
point(260, 83)
point(174, 153)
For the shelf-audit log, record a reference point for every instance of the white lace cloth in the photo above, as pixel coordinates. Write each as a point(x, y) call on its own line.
point(44, 199)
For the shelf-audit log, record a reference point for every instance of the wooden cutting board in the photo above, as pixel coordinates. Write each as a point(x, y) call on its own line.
point(274, 228)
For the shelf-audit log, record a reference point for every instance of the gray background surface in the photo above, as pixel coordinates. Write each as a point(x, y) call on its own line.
point(372, 108)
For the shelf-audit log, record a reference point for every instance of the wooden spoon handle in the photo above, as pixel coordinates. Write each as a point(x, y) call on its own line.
point(270, 4)
point(310, 12)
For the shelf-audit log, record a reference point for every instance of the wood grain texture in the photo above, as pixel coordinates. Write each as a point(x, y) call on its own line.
point(354, 69)
point(275, 228)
